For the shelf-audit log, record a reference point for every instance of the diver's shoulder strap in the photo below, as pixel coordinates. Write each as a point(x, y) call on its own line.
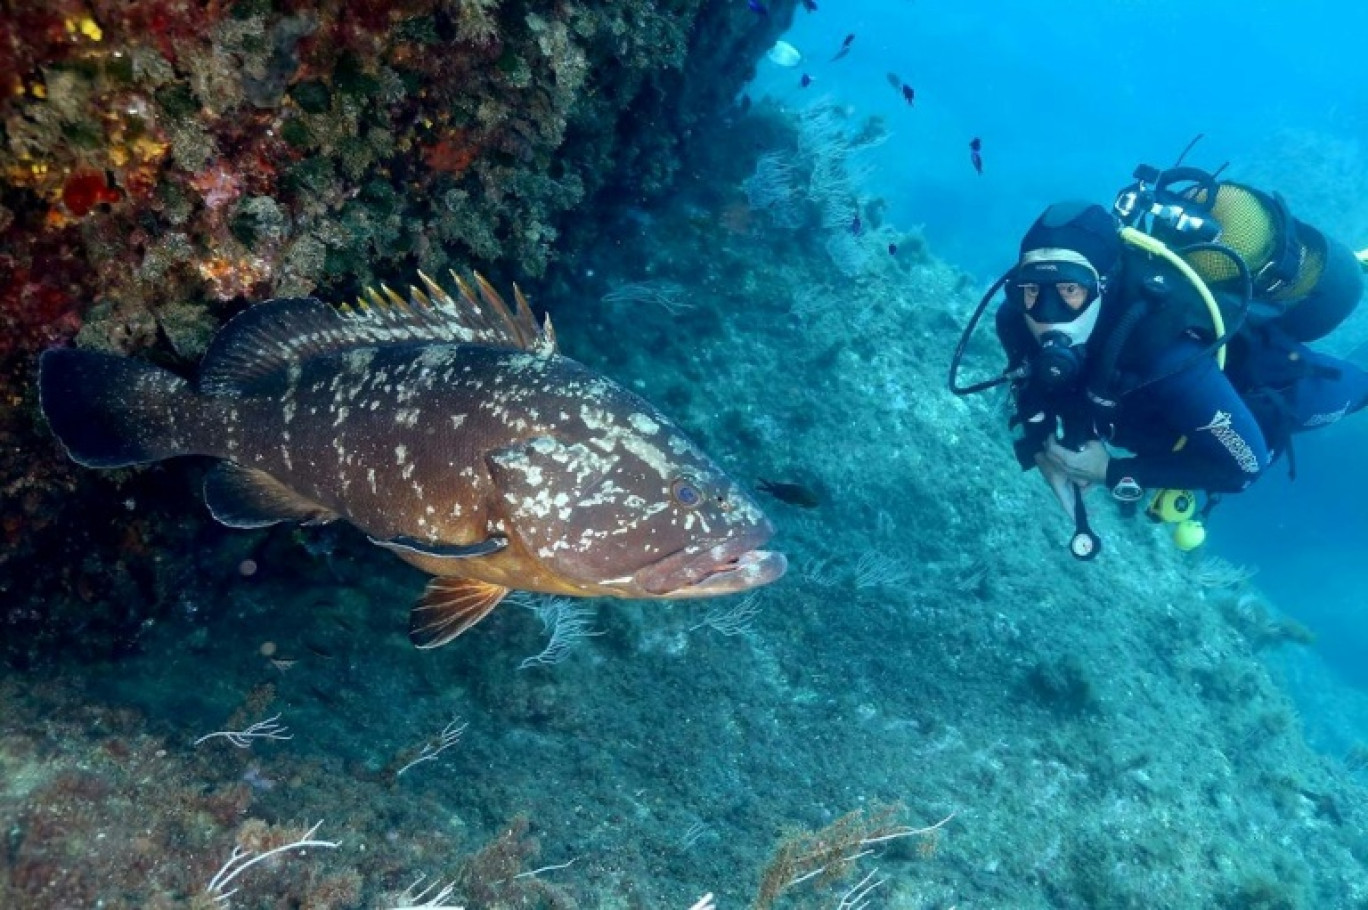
point(1163, 303)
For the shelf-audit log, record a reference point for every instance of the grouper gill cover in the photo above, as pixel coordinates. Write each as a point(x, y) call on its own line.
point(447, 428)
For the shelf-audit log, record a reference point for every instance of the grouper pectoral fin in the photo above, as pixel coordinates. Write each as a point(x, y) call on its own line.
point(412, 546)
point(247, 498)
point(448, 607)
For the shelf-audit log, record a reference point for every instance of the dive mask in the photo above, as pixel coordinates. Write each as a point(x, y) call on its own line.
point(1057, 290)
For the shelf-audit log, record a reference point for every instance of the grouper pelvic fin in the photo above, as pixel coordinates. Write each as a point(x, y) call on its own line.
point(275, 335)
point(448, 607)
point(405, 544)
point(247, 498)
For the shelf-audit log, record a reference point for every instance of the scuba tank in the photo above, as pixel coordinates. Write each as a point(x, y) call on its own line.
point(1304, 282)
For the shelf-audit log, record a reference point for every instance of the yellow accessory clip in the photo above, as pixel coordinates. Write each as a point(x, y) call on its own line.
point(1178, 508)
point(1172, 505)
point(1189, 534)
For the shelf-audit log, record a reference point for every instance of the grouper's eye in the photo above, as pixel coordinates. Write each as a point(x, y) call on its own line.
point(685, 494)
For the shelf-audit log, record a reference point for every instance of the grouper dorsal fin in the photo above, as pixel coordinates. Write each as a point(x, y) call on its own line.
point(278, 334)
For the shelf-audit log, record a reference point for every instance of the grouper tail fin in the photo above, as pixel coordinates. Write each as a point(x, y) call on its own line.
point(111, 411)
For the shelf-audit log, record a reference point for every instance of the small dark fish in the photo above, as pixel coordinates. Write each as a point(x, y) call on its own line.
point(320, 650)
point(892, 249)
point(975, 155)
point(810, 5)
point(795, 494)
point(845, 47)
point(856, 225)
point(909, 94)
point(323, 694)
point(805, 81)
point(757, 7)
point(894, 80)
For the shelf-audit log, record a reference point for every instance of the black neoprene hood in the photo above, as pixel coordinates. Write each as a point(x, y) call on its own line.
point(1083, 227)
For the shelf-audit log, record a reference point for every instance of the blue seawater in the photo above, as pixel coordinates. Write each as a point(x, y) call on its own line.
point(937, 706)
point(1067, 97)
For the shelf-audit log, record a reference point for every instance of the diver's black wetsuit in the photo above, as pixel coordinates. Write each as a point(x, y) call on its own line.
point(1195, 427)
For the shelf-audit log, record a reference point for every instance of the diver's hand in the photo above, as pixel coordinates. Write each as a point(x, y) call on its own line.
point(1059, 482)
point(1083, 466)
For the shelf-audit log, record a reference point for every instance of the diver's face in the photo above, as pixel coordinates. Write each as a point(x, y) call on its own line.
point(1067, 308)
point(1072, 294)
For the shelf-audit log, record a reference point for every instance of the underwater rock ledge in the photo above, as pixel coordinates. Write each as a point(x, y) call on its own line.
point(164, 163)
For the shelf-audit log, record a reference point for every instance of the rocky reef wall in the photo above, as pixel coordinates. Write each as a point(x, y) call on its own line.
point(165, 162)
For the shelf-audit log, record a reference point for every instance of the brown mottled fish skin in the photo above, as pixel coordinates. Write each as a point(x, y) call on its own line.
point(407, 442)
point(449, 430)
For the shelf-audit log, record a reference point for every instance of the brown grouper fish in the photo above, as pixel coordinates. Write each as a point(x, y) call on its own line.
point(449, 430)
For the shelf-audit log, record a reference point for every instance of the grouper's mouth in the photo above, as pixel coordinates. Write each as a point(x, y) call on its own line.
point(732, 565)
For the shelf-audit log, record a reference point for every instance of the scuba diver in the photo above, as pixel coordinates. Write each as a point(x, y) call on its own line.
point(1159, 349)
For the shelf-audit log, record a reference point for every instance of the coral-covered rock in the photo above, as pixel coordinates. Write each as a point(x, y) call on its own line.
point(164, 162)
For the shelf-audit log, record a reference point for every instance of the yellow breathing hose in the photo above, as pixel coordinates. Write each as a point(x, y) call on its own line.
point(1149, 244)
